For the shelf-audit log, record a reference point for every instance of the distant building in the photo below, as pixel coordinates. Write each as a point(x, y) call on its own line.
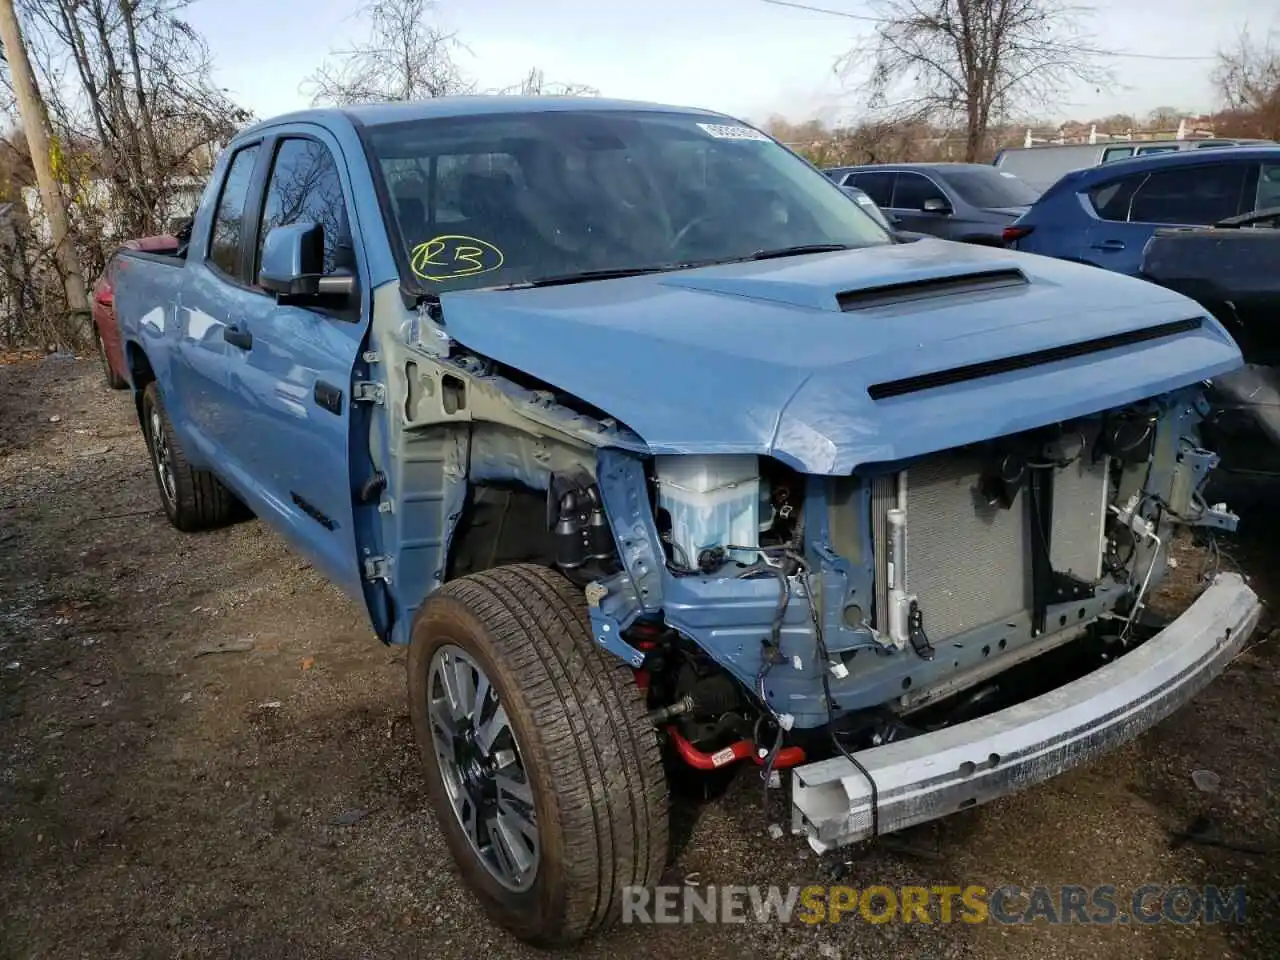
point(182, 202)
point(1189, 128)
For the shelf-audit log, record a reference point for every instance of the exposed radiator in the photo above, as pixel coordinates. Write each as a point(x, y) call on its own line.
point(883, 498)
point(1077, 535)
point(968, 563)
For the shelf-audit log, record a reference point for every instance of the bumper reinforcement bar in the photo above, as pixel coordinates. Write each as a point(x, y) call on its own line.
point(932, 775)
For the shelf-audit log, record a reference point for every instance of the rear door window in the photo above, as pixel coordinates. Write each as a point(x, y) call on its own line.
point(1110, 201)
point(1268, 194)
point(224, 240)
point(912, 189)
point(1196, 195)
point(1150, 151)
point(877, 186)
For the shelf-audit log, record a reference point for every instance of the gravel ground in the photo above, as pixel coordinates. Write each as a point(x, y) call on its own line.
point(205, 752)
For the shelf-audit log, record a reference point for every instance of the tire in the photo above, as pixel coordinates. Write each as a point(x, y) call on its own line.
point(114, 380)
point(193, 499)
point(589, 756)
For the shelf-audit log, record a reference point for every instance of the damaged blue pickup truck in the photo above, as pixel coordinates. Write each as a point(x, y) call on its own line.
point(662, 456)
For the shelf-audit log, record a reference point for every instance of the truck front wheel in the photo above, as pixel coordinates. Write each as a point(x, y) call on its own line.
point(543, 770)
point(193, 499)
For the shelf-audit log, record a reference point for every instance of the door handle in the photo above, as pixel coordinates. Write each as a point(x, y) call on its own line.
point(328, 396)
point(237, 336)
point(1108, 245)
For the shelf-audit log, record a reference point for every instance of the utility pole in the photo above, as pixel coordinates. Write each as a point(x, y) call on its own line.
point(35, 124)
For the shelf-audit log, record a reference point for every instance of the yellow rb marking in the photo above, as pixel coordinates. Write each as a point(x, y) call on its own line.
point(450, 256)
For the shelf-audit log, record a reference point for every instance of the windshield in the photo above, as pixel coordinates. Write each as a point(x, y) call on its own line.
point(988, 187)
point(516, 198)
point(868, 205)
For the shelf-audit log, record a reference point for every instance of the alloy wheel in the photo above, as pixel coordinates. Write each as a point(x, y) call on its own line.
point(482, 768)
point(163, 457)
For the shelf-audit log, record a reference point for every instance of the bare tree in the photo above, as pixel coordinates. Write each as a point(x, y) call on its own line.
point(134, 79)
point(405, 56)
point(970, 62)
point(1118, 122)
point(877, 140)
point(1165, 118)
point(1248, 80)
point(35, 124)
point(135, 122)
point(536, 84)
point(885, 141)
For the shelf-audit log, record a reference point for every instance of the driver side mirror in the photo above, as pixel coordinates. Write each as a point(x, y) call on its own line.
point(293, 268)
point(936, 205)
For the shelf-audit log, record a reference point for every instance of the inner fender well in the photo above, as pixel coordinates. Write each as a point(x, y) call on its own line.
point(504, 519)
point(501, 523)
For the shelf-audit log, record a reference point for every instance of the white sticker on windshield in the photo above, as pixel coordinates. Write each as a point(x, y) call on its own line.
point(732, 131)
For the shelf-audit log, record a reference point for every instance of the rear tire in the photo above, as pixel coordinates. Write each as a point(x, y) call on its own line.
point(114, 380)
point(580, 746)
point(192, 499)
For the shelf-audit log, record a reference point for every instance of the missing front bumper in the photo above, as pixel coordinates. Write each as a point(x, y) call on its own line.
point(930, 776)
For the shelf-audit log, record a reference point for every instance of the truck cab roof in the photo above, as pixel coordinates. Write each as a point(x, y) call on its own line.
point(378, 114)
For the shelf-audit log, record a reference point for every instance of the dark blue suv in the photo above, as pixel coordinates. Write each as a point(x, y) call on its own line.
point(1105, 215)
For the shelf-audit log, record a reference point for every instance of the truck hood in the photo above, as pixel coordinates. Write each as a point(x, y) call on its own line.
point(833, 360)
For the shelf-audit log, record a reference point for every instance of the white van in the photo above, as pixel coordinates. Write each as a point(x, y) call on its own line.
point(1043, 166)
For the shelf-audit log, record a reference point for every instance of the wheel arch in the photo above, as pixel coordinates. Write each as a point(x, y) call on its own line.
point(140, 371)
point(489, 503)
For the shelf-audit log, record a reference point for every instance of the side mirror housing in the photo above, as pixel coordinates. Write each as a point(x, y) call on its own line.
point(936, 205)
point(293, 267)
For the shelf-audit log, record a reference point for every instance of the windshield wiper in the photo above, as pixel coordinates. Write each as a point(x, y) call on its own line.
point(798, 250)
point(585, 276)
point(617, 273)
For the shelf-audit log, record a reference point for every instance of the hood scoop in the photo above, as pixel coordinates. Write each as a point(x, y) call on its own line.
point(927, 288)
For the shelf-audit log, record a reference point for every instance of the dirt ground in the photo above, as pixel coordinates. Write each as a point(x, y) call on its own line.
point(204, 752)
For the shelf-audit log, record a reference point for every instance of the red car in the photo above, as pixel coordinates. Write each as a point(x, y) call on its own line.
point(106, 332)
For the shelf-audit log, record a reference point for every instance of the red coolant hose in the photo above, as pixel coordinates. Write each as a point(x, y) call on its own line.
point(741, 750)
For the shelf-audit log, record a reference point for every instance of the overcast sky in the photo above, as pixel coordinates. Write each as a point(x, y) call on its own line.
point(743, 57)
